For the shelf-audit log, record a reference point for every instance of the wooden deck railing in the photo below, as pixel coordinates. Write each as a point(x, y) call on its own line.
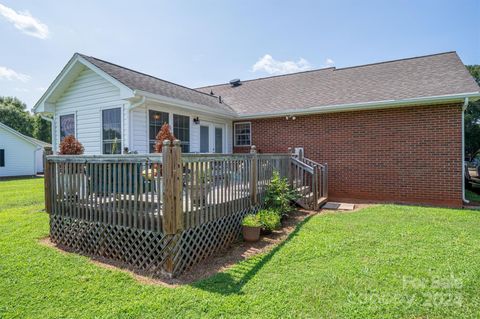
point(157, 212)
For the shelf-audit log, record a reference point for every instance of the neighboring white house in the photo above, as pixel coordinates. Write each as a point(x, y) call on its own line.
point(20, 155)
point(109, 108)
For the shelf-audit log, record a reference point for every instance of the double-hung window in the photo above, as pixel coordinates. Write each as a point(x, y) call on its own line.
point(156, 120)
point(181, 130)
point(112, 131)
point(243, 134)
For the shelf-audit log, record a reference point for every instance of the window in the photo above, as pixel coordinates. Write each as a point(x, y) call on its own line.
point(156, 120)
point(181, 130)
point(112, 131)
point(2, 158)
point(67, 126)
point(243, 134)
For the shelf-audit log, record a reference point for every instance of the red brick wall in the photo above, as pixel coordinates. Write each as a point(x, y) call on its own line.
point(406, 155)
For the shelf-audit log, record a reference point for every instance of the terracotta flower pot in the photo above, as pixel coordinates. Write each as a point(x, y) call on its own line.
point(251, 233)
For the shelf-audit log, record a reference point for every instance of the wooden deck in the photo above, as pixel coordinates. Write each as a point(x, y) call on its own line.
point(164, 212)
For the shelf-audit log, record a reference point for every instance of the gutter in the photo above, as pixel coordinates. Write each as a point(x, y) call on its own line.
point(134, 105)
point(464, 108)
point(187, 105)
point(46, 118)
point(364, 105)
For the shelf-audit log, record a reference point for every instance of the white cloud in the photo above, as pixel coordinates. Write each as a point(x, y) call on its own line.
point(9, 74)
point(24, 22)
point(21, 89)
point(329, 63)
point(268, 64)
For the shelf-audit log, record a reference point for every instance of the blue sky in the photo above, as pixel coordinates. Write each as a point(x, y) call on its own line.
point(197, 43)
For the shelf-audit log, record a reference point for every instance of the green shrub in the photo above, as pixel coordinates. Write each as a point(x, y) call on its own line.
point(269, 218)
point(251, 220)
point(279, 195)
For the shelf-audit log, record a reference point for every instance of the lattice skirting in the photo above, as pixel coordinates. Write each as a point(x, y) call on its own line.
point(146, 250)
point(196, 244)
point(143, 250)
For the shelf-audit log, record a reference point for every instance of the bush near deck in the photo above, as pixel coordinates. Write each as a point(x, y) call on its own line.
point(380, 262)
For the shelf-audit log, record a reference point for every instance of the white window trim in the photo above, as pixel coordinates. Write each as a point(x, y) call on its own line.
point(172, 127)
point(59, 134)
point(101, 127)
point(235, 134)
point(170, 119)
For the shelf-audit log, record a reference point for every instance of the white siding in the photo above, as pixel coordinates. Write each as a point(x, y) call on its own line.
point(19, 155)
point(139, 127)
point(139, 130)
point(86, 97)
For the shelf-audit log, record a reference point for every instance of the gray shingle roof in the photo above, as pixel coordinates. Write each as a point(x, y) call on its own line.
point(425, 76)
point(433, 75)
point(144, 82)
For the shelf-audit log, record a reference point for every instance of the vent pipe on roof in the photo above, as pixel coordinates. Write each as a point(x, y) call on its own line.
point(235, 82)
point(219, 99)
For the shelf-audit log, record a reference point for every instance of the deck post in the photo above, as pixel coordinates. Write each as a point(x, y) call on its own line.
point(315, 186)
point(177, 185)
point(325, 180)
point(289, 167)
point(254, 176)
point(47, 179)
point(172, 171)
point(169, 226)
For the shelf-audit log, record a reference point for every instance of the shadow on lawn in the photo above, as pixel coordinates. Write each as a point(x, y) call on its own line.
point(233, 280)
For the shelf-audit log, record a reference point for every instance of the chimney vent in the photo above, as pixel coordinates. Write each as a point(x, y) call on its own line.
point(235, 82)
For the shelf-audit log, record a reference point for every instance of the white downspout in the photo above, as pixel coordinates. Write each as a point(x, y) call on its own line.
point(464, 108)
point(130, 122)
point(52, 130)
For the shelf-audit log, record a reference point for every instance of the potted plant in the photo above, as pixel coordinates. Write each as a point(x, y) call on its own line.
point(251, 227)
point(269, 219)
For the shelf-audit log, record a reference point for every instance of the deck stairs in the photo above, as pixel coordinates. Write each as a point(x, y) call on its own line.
point(310, 180)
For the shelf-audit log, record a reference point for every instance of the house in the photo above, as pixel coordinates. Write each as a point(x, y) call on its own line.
point(389, 131)
point(20, 155)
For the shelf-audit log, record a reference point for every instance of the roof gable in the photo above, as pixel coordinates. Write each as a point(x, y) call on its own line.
point(28, 139)
point(67, 76)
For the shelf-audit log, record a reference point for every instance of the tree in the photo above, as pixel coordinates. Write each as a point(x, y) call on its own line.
point(472, 117)
point(13, 101)
point(14, 114)
point(164, 134)
point(474, 71)
point(42, 130)
point(21, 121)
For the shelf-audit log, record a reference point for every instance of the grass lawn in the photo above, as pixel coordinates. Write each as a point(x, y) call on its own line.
point(381, 262)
